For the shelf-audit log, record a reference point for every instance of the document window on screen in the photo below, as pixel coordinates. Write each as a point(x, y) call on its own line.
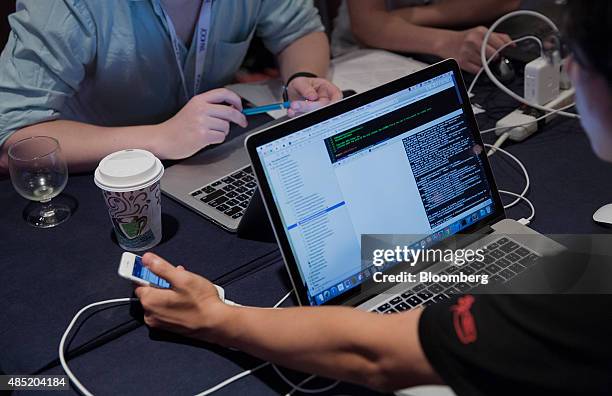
point(404, 164)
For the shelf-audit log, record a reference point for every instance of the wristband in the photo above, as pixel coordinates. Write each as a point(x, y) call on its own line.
point(293, 77)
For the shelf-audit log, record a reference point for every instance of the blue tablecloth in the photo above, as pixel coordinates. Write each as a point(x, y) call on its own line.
point(47, 275)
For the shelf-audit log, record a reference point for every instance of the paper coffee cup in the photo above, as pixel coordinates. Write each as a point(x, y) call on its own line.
point(129, 180)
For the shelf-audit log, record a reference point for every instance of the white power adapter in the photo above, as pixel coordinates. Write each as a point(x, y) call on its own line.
point(542, 80)
point(518, 125)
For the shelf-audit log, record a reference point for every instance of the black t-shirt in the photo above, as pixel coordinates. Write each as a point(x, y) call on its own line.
point(521, 344)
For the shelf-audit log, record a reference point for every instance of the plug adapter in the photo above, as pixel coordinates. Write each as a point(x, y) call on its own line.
point(518, 125)
point(542, 80)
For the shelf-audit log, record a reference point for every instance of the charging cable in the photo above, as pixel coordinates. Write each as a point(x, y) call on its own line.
point(209, 391)
point(523, 221)
point(69, 372)
point(498, 143)
point(500, 49)
point(506, 135)
point(522, 196)
point(485, 64)
point(551, 113)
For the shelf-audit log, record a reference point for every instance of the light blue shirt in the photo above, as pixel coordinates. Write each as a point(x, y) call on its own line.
point(111, 62)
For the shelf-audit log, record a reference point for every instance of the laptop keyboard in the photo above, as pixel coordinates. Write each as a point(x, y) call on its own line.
point(503, 260)
point(229, 195)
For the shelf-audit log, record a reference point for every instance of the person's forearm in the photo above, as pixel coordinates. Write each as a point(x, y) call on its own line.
point(457, 13)
point(377, 28)
point(307, 54)
point(381, 352)
point(84, 145)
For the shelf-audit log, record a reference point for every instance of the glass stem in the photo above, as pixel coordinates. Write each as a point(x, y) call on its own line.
point(47, 209)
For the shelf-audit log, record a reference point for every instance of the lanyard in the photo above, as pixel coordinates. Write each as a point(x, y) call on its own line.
point(201, 36)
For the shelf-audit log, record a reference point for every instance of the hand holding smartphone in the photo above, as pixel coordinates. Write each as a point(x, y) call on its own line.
point(132, 268)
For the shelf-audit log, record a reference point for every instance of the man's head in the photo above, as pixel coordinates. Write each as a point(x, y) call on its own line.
point(588, 31)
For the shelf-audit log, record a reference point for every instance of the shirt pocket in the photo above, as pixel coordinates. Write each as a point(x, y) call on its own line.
point(227, 59)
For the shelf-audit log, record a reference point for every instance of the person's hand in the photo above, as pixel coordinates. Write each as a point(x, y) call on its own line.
point(465, 46)
point(307, 94)
point(204, 120)
point(191, 307)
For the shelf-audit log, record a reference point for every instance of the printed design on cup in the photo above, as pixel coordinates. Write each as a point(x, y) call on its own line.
point(157, 192)
point(128, 211)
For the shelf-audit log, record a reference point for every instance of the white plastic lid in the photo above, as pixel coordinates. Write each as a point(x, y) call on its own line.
point(128, 170)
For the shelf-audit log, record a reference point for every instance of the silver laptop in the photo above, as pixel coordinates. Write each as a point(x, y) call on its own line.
point(404, 158)
point(217, 182)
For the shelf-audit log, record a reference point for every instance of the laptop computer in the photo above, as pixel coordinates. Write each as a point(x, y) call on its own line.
point(404, 158)
point(217, 182)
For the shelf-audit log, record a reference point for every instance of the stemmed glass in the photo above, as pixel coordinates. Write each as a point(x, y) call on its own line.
point(39, 173)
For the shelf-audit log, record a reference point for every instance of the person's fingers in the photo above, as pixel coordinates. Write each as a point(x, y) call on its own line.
point(180, 267)
point(300, 107)
point(498, 40)
point(335, 93)
point(219, 125)
point(162, 268)
point(305, 88)
point(222, 95)
point(489, 53)
point(227, 113)
point(506, 38)
point(471, 67)
point(141, 291)
point(215, 137)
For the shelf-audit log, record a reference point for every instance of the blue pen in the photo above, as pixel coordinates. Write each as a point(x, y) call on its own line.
point(267, 108)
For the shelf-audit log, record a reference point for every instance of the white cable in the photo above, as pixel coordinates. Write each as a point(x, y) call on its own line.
point(524, 199)
point(498, 143)
point(282, 300)
point(500, 49)
point(304, 382)
point(232, 379)
point(520, 164)
point(553, 112)
point(483, 57)
point(299, 388)
point(69, 373)
point(207, 392)
point(291, 384)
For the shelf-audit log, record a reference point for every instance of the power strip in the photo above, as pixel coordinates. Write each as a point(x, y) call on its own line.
point(520, 124)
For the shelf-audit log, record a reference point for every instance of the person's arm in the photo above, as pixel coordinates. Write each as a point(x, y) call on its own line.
point(45, 63)
point(309, 53)
point(376, 27)
point(457, 13)
point(292, 30)
point(204, 120)
point(381, 352)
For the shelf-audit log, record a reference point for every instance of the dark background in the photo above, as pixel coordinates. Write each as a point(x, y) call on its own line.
point(6, 7)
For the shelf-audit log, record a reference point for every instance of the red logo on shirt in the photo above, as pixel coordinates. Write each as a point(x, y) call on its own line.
point(463, 320)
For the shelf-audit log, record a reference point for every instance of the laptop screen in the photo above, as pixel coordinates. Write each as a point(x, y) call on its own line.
point(403, 164)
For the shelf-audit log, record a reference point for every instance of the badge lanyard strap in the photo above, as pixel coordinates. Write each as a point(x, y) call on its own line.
point(201, 35)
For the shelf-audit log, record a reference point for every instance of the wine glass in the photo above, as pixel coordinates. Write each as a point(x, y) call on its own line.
point(39, 173)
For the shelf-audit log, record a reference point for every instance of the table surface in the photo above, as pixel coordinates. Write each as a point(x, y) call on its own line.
point(47, 275)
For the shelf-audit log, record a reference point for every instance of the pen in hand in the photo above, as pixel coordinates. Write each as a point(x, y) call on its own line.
point(267, 108)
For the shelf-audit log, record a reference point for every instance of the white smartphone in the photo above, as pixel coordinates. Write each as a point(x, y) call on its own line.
point(131, 268)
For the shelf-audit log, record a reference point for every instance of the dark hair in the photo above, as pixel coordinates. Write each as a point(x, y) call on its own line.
point(588, 31)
